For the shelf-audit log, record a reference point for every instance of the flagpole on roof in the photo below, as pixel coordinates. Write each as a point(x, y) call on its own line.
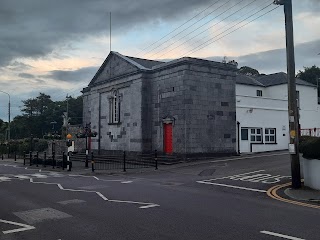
point(110, 31)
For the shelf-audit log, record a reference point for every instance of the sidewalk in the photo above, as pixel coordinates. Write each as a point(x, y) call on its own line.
point(88, 171)
point(303, 194)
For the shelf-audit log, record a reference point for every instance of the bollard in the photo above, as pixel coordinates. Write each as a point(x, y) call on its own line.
point(53, 158)
point(156, 158)
point(124, 161)
point(63, 155)
point(68, 162)
point(37, 159)
point(92, 162)
point(2, 156)
point(87, 160)
point(15, 156)
point(30, 155)
point(24, 158)
point(44, 159)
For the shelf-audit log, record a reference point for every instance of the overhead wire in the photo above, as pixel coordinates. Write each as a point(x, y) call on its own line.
point(206, 28)
point(228, 9)
point(194, 49)
point(232, 27)
point(205, 43)
point(179, 27)
point(200, 46)
point(188, 27)
point(225, 26)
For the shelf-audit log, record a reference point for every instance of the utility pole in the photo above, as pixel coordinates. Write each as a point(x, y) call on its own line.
point(292, 95)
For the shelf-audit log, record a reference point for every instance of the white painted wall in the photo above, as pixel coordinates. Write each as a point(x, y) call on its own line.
point(309, 107)
point(256, 112)
point(271, 111)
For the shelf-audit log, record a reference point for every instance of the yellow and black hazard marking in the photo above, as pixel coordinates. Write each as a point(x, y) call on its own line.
point(272, 192)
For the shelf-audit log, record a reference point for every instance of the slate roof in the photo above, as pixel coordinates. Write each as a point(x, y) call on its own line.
point(268, 80)
point(145, 62)
point(248, 80)
point(280, 78)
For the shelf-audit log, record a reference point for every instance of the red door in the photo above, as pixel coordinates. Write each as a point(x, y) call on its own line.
point(167, 135)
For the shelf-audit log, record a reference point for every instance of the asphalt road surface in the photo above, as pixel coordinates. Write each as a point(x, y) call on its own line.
point(221, 199)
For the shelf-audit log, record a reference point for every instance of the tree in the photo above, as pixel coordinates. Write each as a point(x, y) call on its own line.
point(36, 106)
point(249, 71)
point(310, 74)
point(40, 112)
point(3, 128)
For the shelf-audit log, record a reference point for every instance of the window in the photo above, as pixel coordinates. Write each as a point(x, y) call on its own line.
point(256, 135)
point(270, 135)
point(244, 134)
point(259, 93)
point(114, 108)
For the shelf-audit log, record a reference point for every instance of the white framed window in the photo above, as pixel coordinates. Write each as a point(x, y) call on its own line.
point(114, 108)
point(259, 93)
point(256, 135)
point(270, 135)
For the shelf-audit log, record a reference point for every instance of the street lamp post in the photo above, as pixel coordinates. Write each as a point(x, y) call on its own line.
point(9, 112)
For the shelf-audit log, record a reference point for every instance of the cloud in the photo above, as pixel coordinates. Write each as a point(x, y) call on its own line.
point(79, 75)
point(34, 28)
point(26, 75)
point(275, 60)
point(18, 66)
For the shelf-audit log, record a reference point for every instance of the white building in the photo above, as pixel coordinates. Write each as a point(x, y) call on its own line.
point(262, 111)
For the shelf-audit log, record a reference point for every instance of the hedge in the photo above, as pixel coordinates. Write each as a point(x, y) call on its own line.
point(310, 147)
point(20, 146)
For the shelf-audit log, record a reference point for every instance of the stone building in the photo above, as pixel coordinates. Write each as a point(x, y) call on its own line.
point(185, 106)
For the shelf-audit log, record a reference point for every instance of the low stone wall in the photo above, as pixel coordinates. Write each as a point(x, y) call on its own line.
point(61, 146)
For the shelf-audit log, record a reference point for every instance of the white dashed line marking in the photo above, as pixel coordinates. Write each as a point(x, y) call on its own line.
point(25, 227)
point(281, 235)
point(231, 186)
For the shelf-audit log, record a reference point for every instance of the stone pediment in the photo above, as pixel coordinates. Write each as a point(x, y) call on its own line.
point(115, 65)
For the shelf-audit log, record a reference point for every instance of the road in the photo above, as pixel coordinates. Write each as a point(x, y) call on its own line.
point(220, 199)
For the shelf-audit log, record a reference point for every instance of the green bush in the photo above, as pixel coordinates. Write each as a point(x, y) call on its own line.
point(41, 145)
point(311, 148)
point(20, 146)
point(304, 141)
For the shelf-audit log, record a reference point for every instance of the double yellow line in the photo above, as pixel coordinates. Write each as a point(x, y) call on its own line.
point(272, 192)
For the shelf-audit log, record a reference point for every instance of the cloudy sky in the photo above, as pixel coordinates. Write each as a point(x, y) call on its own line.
point(55, 47)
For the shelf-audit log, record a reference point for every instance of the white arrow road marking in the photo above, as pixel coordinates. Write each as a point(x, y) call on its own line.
point(22, 177)
point(281, 235)
point(38, 175)
point(150, 206)
point(126, 182)
point(25, 227)
point(4, 179)
point(145, 205)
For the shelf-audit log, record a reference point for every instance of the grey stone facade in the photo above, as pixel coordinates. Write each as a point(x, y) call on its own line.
point(198, 96)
